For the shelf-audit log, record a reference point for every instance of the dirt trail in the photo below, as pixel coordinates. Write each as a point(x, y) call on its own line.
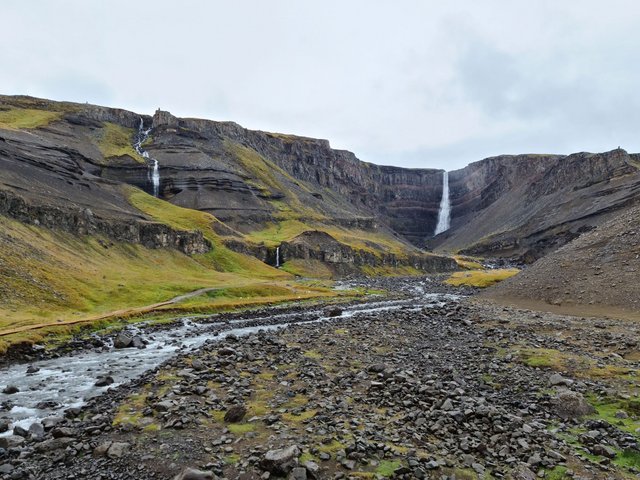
point(102, 316)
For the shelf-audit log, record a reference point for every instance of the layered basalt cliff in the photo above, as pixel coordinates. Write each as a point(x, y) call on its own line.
point(315, 245)
point(525, 206)
point(515, 206)
point(338, 184)
point(84, 222)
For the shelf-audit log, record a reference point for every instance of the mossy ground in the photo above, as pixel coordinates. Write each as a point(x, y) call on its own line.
point(481, 278)
point(116, 141)
point(27, 118)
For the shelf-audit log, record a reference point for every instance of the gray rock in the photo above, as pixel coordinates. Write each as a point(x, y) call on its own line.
point(556, 379)
point(18, 430)
point(117, 449)
point(280, 461)
point(604, 450)
point(192, 474)
point(104, 380)
point(298, 473)
point(4, 426)
point(36, 430)
point(522, 472)
point(123, 340)
point(6, 469)
point(11, 441)
point(313, 469)
point(569, 404)
point(32, 369)
point(235, 414)
point(10, 390)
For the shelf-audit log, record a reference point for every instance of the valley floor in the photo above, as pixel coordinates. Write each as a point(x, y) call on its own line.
point(461, 390)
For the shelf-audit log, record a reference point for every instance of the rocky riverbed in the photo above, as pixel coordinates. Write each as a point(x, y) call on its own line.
point(456, 389)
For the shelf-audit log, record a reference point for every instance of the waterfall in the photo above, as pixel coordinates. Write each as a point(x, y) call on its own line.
point(277, 257)
point(153, 174)
point(444, 215)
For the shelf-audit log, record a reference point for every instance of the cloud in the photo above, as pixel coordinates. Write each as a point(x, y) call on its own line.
point(414, 83)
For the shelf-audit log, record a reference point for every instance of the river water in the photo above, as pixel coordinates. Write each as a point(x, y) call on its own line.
point(70, 381)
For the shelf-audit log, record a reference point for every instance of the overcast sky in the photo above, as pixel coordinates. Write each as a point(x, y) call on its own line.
point(411, 83)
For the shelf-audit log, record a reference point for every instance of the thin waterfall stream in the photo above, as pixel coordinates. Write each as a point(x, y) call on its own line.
point(444, 214)
point(154, 171)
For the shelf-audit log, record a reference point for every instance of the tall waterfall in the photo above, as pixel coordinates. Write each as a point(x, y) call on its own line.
point(277, 257)
point(444, 215)
point(154, 171)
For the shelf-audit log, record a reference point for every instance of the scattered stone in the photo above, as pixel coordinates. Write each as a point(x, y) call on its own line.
point(10, 390)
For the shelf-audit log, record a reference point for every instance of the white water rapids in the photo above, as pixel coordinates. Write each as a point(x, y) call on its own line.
point(444, 215)
point(154, 172)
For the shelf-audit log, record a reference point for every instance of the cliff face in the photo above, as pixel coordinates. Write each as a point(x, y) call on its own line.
point(516, 206)
point(333, 182)
point(525, 206)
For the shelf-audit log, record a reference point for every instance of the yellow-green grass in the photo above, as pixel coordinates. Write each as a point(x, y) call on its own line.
point(579, 365)
point(391, 271)
point(307, 268)
point(269, 175)
point(26, 118)
point(481, 278)
point(285, 230)
point(49, 277)
point(220, 258)
point(253, 294)
point(468, 263)
point(116, 141)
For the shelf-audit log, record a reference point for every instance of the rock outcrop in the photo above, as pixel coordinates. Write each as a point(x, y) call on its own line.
point(315, 245)
point(84, 222)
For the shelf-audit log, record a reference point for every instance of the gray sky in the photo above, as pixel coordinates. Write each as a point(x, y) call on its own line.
point(411, 83)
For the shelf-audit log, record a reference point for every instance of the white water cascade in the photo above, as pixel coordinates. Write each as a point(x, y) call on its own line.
point(277, 257)
point(154, 172)
point(444, 215)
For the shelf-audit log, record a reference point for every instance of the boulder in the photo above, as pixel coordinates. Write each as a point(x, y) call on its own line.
point(192, 474)
point(569, 404)
point(10, 390)
point(122, 340)
point(522, 472)
point(11, 441)
point(235, 414)
point(280, 461)
point(556, 380)
point(117, 449)
point(104, 380)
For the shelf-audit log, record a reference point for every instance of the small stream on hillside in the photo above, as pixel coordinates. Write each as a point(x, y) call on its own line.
point(154, 169)
point(66, 382)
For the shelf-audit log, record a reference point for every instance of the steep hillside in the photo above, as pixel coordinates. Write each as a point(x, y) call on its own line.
point(597, 272)
point(528, 205)
point(83, 170)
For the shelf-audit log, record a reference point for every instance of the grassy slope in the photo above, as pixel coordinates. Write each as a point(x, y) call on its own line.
point(26, 118)
point(116, 141)
point(48, 276)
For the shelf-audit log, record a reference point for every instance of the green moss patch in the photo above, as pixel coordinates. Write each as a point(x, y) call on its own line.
point(27, 118)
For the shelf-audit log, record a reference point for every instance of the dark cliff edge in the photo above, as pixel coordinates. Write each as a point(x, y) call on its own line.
point(84, 222)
